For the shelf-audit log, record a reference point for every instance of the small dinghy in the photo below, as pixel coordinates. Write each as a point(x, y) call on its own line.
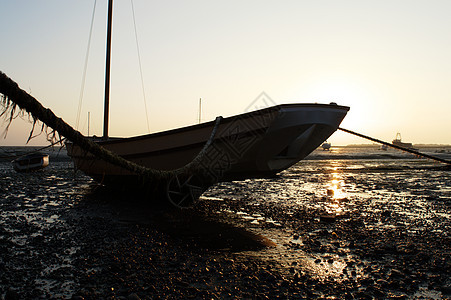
point(326, 145)
point(31, 162)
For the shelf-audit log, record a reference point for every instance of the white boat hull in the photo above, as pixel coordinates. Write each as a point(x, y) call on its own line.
point(31, 162)
point(256, 144)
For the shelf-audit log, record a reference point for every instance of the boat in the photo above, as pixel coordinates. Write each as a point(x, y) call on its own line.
point(397, 142)
point(326, 145)
point(255, 144)
point(251, 145)
point(31, 162)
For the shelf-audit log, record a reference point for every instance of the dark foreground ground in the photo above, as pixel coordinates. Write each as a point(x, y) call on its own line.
point(57, 240)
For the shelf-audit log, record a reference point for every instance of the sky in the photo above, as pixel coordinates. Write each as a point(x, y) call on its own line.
point(389, 60)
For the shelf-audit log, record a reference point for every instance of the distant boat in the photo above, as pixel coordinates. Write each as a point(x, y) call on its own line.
point(397, 142)
point(384, 147)
point(31, 162)
point(326, 145)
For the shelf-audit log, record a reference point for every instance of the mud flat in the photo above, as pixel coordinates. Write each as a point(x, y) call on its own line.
point(351, 229)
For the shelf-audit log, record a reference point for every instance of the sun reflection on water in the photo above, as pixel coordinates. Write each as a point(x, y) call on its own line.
point(335, 193)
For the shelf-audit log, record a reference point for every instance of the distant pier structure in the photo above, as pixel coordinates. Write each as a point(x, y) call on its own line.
point(397, 142)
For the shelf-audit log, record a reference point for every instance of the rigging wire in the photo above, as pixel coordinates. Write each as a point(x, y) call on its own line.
point(80, 101)
point(140, 68)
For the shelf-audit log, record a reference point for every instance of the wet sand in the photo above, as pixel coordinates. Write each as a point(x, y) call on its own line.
point(346, 227)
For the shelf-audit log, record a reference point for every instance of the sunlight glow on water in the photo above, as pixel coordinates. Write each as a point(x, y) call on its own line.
point(389, 194)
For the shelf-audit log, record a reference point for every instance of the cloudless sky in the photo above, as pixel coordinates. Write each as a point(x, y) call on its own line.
point(389, 60)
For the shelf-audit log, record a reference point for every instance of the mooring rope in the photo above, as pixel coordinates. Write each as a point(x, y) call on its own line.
point(396, 146)
point(13, 97)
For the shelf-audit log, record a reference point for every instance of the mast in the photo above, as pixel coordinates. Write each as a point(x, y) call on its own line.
point(107, 70)
point(200, 109)
point(88, 121)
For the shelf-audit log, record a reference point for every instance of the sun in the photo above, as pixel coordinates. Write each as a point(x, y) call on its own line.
point(346, 91)
point(338, 90)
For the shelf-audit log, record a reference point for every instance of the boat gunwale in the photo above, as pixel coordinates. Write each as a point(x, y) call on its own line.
point(114, 140)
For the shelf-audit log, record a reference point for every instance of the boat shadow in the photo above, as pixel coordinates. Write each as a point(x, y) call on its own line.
point(196, 227)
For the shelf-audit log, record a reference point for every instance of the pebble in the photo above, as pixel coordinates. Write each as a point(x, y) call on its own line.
point(133, 296)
